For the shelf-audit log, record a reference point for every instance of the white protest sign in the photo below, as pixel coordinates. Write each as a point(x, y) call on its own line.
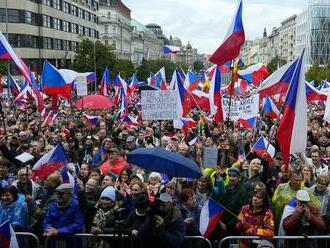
point(326, 116)
point(81, 85)
point(159, 105)
point(247, 107)
point(210, 157)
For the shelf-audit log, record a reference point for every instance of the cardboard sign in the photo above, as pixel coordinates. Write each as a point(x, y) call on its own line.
point(159, 105)
point(81, 86)
point(210, 157)
point(241, 108)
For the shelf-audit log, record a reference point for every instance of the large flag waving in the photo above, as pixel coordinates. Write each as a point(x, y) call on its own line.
point(7, 236)
point(215, 96)
point(231, 45)
point(292, 131)
point(50, 162)
point(105, 82)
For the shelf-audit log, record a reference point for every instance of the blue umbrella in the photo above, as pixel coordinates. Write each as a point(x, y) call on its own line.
point(160, 160)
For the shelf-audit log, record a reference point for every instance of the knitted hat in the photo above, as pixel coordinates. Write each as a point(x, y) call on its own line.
point(109, 192)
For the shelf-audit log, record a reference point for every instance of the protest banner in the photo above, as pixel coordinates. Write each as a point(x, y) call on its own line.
point(159, 105)
point(81, 85)
point(210, 157)
point(241, 108)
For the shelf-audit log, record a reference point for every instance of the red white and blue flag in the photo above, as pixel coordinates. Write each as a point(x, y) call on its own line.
point(182, 107)
point(191, 81)
point(211, 214)
point(248, 122)
point(226, 67)
point(292, 131)
point(278, 82)
point(184, 124)
point(230, 47)
point(91, 120)
point(314, 94)
point(262, 146)
point(122, 84)
point(171, 49)
point(254, 74)
point(22, 93)
point(55, 82)
point(130, 120)
point(270, 108)
point(50, 162)
point(105, 82)
point(14, 87)
point(7, 236)
point(215, 96)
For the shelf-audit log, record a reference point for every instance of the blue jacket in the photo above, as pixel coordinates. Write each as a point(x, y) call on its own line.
point(97, 158)
point(67, 221)
point(17, 213)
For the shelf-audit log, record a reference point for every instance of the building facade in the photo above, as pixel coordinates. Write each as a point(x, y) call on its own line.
point(48, 29)
point(287, 39)
point(313, 32)
point(116, 31)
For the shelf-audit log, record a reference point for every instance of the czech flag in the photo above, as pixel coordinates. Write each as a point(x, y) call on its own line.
point(226, 67)
point(254, 74)
point(50, 162)
point(314, 94)
point(191, 81)
point(122, 83)
point(24, 89)
point(171, 49)
point(278, 82)
point(151, 79)
point(134, 83)
point(184, 124)
point(182, 74)
point(249, 122)
point(292, 131)
point(211, 214)
point(14, 87)
point(270, 108)
point(91, 120)
point(263, 146)
point(7, 236)
point(105, 82)
point(202, 99)
point(131, 121)
point(215, 96)
point(230, 47)
point(56, 82)
point(181, 94)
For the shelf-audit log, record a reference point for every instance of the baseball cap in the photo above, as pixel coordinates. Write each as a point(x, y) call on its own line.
point(302, 195)
point(164, 197)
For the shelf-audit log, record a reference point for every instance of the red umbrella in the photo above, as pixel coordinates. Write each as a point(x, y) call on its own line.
point(94, 102)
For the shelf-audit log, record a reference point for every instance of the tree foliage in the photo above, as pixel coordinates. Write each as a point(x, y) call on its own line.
point(84, 59)
point(198, 66)
point(3, 67)
point(124, 67)
point(274, 63)
point(143, 71)
point(318, 73)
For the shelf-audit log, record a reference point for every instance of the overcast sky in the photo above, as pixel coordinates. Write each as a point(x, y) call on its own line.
point(205, 22)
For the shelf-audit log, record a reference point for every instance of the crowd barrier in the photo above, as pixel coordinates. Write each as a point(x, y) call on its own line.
point(27, 239)
point(277, 241)
point(115, 240)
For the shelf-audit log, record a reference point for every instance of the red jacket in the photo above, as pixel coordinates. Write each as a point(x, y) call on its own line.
point(115, 167)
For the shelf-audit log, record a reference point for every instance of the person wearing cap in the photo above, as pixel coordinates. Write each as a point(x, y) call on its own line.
point(114, 163)
point(63, 216)
point(301, 217)
point(164, 225)
point(104, 220)
point(234, 198)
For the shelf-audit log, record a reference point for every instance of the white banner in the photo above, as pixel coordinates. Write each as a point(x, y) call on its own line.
point(81, 86)
point(241, 108)
point(159, 105)
point(326, 116)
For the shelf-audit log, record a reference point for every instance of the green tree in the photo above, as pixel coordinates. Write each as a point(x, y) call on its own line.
point(84, 59)
point(3, 67)
point(316, 73)
point(274, 63)
point(124, 67)
point(198, 66)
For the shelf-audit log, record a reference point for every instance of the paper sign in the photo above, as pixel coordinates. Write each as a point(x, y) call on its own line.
point(159, 105)
point(210, 157)
point(24, 157)
point(241, 108)
point(81, 86)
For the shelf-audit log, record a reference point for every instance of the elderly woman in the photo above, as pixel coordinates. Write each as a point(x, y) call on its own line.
point(256, 218)
point(13, 209)
point(154, 185)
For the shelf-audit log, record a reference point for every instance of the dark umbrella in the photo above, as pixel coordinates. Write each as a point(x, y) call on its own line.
point(160, 160)
point(94, 102)
point(144, 86)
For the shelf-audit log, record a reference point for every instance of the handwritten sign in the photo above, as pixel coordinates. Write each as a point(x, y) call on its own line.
point(241, 108)
point(81, 86)
point(159, 105)
point(210, 157)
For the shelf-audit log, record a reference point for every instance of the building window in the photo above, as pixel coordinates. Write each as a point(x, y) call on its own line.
point(81, 13)
point(14, 40)
point(47, 43)
point(57, 24)
point(28, 17)
point(74, 28)
point(106, 29)
point(81, 30)
point(47, 21)
point(48, 3)
point(58, 44)
point(74, 10)
point(13, 15)
point(57, 4)
point(66, 26)
point(2, 15)
point(66, 7)
point(93, 33)
point(66, 45)
point(88, 16)
point(73, 46)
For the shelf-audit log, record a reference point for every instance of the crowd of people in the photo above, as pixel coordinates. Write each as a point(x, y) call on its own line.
point(112, 196)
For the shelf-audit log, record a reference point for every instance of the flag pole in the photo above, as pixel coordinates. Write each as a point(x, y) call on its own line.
point(231, 88)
